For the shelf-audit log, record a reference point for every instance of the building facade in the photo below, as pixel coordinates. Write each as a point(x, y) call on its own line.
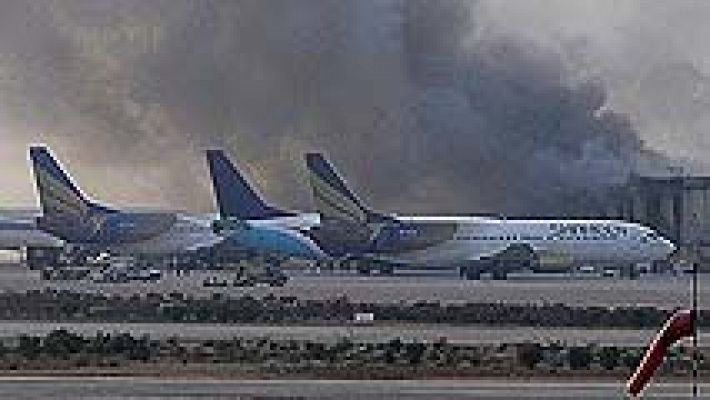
point(678, 207)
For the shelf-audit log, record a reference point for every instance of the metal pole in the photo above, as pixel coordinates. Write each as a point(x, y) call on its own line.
point(696, 358)
point(694, 294)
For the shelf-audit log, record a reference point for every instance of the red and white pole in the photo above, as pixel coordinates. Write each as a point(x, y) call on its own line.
point(679, 325)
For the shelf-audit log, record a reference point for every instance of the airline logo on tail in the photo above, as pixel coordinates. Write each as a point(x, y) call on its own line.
point(57, 198)
point(65, 210)
point(333, 198)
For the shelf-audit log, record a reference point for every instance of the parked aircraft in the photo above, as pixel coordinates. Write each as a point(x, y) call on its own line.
point(474, 244)
point(245, 217)
point(72, 216)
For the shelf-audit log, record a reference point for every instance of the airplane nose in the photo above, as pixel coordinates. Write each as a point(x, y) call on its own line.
point(668, 246)
point(314, 251)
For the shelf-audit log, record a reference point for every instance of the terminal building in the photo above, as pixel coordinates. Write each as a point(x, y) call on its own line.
point(676, 206)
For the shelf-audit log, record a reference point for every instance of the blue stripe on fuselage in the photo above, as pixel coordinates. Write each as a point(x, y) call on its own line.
point(274, 240)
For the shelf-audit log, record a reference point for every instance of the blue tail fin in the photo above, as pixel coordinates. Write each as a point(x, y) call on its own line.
point(235, 197)
point(333, 197)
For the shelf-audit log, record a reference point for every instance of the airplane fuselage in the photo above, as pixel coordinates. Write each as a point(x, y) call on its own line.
point(183, 233)
point(455, 240)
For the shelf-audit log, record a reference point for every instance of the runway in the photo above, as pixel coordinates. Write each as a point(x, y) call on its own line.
point(141, 388)
point(664, 291)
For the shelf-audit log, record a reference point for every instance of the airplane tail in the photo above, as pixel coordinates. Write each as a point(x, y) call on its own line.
point(235, 197)
point(66, 211)
point(333, 198)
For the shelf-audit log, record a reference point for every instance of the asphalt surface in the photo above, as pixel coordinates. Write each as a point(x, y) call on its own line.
point(663, 291)
point(475, 335)
point(140, 388)
point(657, 290)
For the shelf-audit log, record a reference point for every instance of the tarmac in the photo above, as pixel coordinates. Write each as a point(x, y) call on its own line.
point(149, 388)
point(665, 291)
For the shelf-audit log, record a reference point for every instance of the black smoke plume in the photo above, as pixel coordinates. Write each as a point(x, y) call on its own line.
point(420, 109)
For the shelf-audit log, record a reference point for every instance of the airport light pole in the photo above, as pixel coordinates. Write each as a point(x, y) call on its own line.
point(696, 358)
point(694, 248)
point(694, 295)
point(694, 255)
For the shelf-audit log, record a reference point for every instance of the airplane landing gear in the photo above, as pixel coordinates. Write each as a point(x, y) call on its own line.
point(499, 273)
point(363, 271)
point(471, 272)
point(630, 271)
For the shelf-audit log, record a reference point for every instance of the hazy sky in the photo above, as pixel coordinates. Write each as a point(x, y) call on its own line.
point(451, 106)
point(652, 56)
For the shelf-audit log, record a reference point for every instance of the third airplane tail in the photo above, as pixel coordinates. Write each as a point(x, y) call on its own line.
point(333, 198)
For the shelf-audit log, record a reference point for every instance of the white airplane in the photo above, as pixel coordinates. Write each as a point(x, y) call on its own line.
point(472, 244)
point(18, 229)
point(71, 215)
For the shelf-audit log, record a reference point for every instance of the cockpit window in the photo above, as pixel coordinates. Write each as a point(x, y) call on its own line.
point(649, 236)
